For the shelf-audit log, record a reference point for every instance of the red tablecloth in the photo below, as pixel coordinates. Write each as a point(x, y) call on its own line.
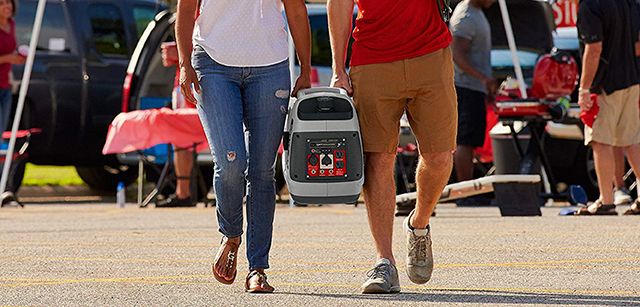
point(137, 130)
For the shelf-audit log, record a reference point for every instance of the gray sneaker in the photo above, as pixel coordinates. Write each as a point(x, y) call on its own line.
point(419, 255)
point(383, 278)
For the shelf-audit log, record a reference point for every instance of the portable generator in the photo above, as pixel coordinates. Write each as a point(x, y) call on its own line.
point(323, 160)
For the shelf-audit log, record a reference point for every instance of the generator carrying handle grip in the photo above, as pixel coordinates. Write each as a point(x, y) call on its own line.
point(309, 91)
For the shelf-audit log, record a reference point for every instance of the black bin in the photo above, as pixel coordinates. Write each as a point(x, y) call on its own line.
point(518, 199)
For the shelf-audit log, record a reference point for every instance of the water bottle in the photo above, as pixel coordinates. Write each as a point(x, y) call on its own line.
point(120, 195)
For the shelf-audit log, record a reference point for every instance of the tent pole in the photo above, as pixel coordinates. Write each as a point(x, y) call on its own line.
point(512, 46)
point(292, 61)
point(24, 86)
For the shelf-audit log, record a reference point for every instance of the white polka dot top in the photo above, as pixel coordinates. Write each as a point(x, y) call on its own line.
point(242, 33)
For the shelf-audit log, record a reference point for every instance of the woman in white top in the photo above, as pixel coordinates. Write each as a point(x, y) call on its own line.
point(234, 58)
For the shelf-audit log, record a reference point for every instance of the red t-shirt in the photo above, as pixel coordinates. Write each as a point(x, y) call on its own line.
point(393, 30)
point(7, 46)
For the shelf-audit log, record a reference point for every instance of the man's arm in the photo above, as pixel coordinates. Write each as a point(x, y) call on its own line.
point(461, 48)
point(590, 63)
point(184, 32)
point(340, 14)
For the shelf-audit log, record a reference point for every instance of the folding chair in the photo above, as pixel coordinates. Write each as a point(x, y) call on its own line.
point(23, 139)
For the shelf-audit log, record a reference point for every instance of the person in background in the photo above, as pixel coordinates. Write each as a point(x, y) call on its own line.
point(621, 194)
point(471, 49)
point(182, 158)
point(234, 59)
point(609, 70)
point(8, 56)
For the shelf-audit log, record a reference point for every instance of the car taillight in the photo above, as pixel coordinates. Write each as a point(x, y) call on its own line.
point(126, 92)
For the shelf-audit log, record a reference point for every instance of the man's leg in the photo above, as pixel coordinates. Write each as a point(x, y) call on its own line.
point(603, 156)
point(464, 162)
point(621, 193)
point(633, 156)
point(432, 176)
point(472, 123)
point(618, 159)
point(380, 97)
point(433, 116)
point(379, 197)
point(183, 162)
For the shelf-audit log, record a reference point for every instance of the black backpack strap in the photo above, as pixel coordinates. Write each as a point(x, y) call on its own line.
point(444, 8)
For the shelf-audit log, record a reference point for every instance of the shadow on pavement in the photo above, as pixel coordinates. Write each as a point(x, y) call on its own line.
point(487, 297)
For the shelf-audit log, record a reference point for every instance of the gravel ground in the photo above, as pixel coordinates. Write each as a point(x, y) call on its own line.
point(96, 254)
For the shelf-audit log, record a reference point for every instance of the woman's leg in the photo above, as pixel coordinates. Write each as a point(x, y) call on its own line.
point(221, 114)
point(266, 99)
point(5, 109)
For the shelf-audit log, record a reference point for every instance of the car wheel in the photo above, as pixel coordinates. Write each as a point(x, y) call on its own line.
point(106, 177)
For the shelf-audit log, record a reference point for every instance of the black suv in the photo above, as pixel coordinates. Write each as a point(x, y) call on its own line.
point(76, 85)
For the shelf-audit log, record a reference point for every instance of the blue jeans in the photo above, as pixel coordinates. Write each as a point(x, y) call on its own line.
point(234, 99)
point(5, 109)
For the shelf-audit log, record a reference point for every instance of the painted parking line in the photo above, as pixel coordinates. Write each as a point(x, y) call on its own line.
point(24, 282)
point(541, 264)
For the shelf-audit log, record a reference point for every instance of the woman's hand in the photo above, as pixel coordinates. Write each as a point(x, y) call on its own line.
point(187, 78)
point(16, 59)
point(303, 81)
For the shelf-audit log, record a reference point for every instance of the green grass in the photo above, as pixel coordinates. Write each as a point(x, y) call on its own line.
point(41, 175)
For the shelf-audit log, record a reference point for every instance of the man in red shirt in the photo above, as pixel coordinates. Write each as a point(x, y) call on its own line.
point(400, 62)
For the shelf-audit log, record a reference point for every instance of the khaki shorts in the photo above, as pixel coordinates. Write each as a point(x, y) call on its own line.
point(618, 121)
point(422, 86)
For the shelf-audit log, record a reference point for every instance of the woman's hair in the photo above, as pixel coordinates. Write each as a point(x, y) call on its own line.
point(13, 7)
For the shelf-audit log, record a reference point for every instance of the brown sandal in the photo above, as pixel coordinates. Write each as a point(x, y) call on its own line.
point(257, 283)
point(600, 209)
point(635, 208)
point(228, 253)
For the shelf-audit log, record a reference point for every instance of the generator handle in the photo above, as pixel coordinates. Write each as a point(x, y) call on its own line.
point(324, 89)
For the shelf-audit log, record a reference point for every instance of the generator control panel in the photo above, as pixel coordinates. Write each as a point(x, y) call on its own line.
point(326, 158)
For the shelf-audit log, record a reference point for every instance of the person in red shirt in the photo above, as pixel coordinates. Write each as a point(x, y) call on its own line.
point(401, 62)
point(182, 158)
point(8, 56)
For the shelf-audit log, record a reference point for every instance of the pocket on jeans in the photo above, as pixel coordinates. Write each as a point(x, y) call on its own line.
point(197, 55)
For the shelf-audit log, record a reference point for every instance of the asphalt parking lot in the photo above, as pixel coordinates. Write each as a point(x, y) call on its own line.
point(96, 254)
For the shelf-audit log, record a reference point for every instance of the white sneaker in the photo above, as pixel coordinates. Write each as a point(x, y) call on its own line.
point(621, 197)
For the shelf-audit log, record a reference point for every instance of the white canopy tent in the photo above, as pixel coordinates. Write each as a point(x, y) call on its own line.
point(513, 48)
